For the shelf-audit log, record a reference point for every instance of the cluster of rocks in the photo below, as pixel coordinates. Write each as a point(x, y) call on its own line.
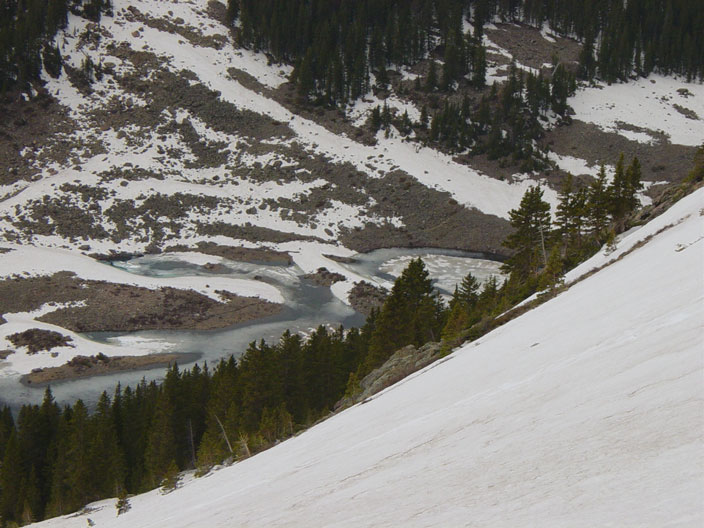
point(324, 277)
point(404, 362)
point(364, 297)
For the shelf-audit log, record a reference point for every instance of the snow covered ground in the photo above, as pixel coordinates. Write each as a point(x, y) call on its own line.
point(587, 411)
point(658, 104)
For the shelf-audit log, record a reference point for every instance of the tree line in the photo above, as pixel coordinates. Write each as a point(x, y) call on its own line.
point(335, 45)
point(54, 460)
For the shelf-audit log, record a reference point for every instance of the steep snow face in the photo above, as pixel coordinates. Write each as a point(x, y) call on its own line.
point(585, 411)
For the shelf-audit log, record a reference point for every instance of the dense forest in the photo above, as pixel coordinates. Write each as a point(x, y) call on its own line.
point(54, 460)
point(27, 31)
point(337, 45)
point(341, 50)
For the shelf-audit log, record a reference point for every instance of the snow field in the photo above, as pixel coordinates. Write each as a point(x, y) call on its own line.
point(646, 103)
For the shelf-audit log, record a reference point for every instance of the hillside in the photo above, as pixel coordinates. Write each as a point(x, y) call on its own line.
point(585, 411)
point(288, 192)
point(161, 134)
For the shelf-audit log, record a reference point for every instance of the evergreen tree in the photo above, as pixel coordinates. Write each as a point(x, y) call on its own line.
point(598, 204)
point(104, 452)
point(479, 65)
point(634, 184)
point(410, 315)
point(11, 471)
point(7, 426)
point(531, 224)
point(468, 292)
point(79, 473)
point(432, 79)
point(587, 62)
point(618, 192)
point(160, 451)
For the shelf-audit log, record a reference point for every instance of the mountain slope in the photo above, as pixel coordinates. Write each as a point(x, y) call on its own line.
point(585, 411)
point(161, 134)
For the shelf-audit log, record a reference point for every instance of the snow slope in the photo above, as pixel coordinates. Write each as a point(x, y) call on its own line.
point(586, 411)
point(655, 105)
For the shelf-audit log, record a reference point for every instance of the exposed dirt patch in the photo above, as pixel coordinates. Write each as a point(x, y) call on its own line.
point(238, 254)
point(530, 48)
point(25, 128)
point(324, 277)
point(36, 340)
point(4, 354)
point(661, 161)
point(123, 308)
point(251, 232)
point(179, 27)
point(364, 297)
point(100, 365)
point(432, 219)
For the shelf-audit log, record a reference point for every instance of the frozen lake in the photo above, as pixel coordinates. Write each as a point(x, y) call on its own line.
point(306, 307)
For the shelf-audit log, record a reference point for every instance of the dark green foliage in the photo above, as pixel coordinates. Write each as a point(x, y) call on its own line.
point(7, 425)
point(598, 196)
point(586, 218)
point(11, 473)
point(623, 189)
point(697, 173)
point(27, 31)
point(336, 45)
point(531, 223)
point(412, 314)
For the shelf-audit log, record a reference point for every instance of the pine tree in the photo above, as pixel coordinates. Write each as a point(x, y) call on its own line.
point(587, 63)
point(161, 450)
point(105, 454)
point(7, 425)
point(432, 80)
point(697, 172)
point(634, 184)
point(11, 472)
point(468, 292)
point(410, 315)
point(457, 320)
point(598, 204)
point(79, 472)
point(479, 65)
point(531, 224)
point(552, 274)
